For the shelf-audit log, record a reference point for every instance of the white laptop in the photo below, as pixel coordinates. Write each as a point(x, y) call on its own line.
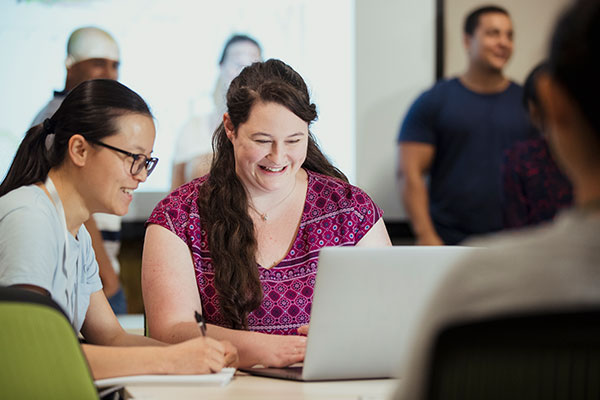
point(366, 304)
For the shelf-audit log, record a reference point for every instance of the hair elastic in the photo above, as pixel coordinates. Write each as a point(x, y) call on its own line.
point(48, 128)
point(48, 133)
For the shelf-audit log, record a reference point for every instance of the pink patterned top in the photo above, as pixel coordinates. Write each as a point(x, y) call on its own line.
point(335, 214)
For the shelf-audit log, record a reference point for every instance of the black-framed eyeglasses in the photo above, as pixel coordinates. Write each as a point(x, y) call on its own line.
point(140, 161)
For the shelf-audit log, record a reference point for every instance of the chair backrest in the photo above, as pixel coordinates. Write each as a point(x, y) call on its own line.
point(41, 356)
point(542, 356)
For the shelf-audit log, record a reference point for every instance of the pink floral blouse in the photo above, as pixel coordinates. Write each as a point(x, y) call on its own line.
point(335, 214)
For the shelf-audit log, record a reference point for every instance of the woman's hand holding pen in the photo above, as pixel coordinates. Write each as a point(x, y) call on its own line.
point(275, 350)
point(202, 355)
point(231, 354)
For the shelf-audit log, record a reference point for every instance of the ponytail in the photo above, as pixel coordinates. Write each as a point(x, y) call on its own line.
point(32, 160)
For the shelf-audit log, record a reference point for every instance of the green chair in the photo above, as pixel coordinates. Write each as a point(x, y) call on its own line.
point(40, 353)
point(544, 356)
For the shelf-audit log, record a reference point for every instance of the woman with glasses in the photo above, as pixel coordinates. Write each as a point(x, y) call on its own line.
point(88, 157)
point(242, 243)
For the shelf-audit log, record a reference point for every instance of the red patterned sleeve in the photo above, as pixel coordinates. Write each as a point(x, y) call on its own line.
point(175, 211)
point(367, 211)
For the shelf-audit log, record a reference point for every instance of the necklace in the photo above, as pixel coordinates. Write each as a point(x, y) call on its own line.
point(263, 215)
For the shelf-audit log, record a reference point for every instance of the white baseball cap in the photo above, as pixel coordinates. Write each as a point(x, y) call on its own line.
point(91, 42)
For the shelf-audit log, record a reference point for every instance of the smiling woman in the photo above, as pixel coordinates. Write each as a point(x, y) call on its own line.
point(242, 243)
point(269, 149)
point(135, 132)
point(88, 157)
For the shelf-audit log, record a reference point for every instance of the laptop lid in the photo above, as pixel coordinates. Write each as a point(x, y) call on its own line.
point(367, 302)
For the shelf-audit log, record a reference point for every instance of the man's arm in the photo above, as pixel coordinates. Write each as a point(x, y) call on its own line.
point(199, 165)
point(177, 175)
point(414, 161)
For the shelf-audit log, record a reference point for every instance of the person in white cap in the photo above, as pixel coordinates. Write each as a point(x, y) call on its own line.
point(93, 53)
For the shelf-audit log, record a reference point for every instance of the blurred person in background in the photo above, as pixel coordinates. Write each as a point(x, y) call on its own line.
point(456, 134)
point(535, 188)
point(549, 268)
point(193, 150)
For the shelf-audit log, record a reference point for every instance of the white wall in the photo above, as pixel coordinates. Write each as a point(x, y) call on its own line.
point(394, 55)
point(170, 50)
point(395, 60)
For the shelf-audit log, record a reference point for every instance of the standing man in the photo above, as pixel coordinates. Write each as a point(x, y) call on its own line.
point(457, 132)
point(91, 54)
point(94, 54)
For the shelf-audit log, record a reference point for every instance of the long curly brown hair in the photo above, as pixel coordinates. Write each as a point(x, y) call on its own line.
point(223, 201)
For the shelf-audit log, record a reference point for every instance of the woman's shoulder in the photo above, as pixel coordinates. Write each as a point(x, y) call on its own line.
point(330, 195)
point(339, 208)
point(179, 206)
point(526, 152)
point(29, 216)
point(332, 187)
point(25, 200)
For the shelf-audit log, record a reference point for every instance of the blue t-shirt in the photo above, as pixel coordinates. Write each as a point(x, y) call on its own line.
point(470, 132)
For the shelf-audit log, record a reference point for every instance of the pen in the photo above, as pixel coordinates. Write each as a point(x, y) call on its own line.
point(201, 322)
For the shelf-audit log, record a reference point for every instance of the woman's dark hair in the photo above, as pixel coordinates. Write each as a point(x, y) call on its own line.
point(529, 87)
point(574, 59)
point(472, 20)
point(223, 201)
point(236, 39)
point(90, 109)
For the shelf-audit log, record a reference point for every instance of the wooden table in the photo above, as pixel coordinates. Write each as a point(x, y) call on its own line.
point(244, 386)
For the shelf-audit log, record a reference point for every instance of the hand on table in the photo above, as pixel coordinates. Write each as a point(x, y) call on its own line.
point(303, 330)
point(231, 354)
point(281, 350)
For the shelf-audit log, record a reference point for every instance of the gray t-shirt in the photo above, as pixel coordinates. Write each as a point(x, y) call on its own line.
point(552, 267)
point(32, 244)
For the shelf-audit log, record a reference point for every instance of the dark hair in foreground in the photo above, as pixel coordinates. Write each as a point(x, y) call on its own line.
point(223, 201)
point(574, 60)
point(472, 20)
point(90, 109)
point(236, 39)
